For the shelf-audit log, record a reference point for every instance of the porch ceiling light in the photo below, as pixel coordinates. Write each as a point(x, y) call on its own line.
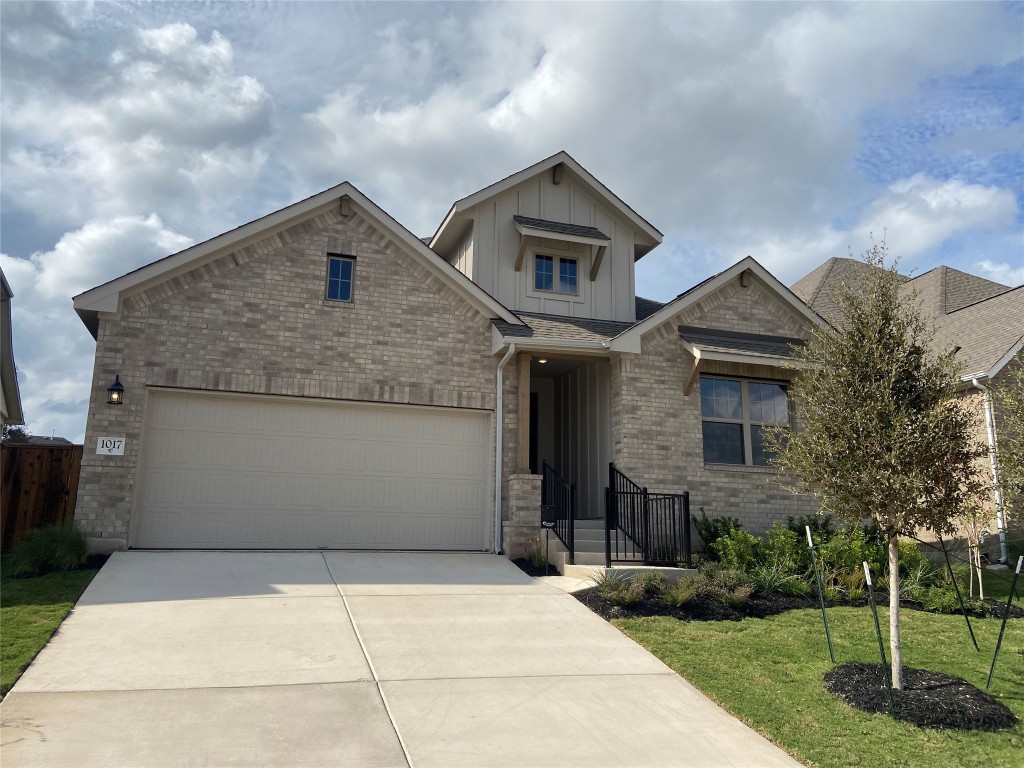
point(542, 361)
point(115, 392)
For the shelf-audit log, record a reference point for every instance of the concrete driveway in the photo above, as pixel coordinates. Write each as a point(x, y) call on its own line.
point(361, 659)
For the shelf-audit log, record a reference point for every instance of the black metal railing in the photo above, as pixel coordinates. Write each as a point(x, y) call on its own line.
point(558, 506)
point(654, 526)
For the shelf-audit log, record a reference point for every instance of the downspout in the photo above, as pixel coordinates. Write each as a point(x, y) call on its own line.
point(990, 428)
point(499, 422)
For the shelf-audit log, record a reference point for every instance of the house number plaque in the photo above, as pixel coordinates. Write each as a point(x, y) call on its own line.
point(110, 446)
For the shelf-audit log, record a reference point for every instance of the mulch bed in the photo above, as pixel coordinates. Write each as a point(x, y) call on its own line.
point(531, 570)
point(928, 699)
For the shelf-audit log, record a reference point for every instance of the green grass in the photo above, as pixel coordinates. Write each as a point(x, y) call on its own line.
point(769, 673)
point(30, 612)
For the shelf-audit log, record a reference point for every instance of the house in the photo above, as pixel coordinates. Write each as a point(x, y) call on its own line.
point(10, 395)
point(321, 377)
point(981, 319)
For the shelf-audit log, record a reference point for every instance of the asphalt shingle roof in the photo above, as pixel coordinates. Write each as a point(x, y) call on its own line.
point(539, 326)
point(561, 228)
point(714, 340)
point(984, 318)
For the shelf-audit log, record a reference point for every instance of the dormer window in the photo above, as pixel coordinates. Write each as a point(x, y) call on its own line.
point(557, 274)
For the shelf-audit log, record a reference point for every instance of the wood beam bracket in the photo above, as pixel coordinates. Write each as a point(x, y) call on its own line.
point(694, 374)
point(598, 258)
point(525, 241)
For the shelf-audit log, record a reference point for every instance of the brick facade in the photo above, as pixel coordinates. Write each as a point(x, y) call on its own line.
point(656, 429)
point(521, 524)
point(256, 321)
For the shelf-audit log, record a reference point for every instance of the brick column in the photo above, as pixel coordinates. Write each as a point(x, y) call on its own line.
point(523, 522)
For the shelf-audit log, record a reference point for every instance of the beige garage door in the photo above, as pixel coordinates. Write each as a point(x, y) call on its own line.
point(232, 471)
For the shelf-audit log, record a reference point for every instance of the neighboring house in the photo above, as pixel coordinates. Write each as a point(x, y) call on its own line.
point(981, 319)
point(321, 377)
point(10, 395)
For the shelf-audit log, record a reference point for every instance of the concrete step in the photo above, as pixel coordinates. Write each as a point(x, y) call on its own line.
point(597, 558)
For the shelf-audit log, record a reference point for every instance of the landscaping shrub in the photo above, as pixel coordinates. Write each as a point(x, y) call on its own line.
point(733, 598)
point(784, 549)
point(738, 550)
point(939, 599)
point(796, 586)
point(711, 529)
point(717, 576)
point(822, 526)
point(48, 549)
point(769, 578)
point(536, 555)
point(850, 547)
point(618, 588)
point(683, 591)
point(649, 583)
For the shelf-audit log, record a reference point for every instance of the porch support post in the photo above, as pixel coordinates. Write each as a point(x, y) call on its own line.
point(523, 417)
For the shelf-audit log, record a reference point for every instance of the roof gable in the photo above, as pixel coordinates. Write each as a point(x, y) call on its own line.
point(629, 340)
point(450, 226)
point(109, 296)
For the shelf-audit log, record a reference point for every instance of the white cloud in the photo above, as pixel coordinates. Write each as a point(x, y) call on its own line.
point(52, 348)
point(164, 123)
point(1001, 272)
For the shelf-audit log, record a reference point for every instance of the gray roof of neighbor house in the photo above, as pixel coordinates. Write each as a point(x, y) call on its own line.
point(646, 307)
point(715, 340)
point(561, 227)
point(982, 317)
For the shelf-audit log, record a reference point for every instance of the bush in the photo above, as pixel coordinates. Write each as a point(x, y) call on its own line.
point(711, 529)
point(733, 598)
point(822, 527)
point(849, 548)
point(796, 586)
point(717, 577)
point(683, 591)
point(536, 555)
point(772, 578)
point(939, 599)
point(617, 588)
point(738, 550)
point(782, 548)
point(49, 549)
point(649, 583)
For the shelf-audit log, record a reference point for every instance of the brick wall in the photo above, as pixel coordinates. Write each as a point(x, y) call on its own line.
point(256, 321)
point(522, 523)
point(656, 429)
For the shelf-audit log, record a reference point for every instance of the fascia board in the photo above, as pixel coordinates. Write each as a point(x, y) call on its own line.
point(529, 344)
point(1002, 362)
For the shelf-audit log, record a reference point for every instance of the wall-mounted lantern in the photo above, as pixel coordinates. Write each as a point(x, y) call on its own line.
point(115, 392)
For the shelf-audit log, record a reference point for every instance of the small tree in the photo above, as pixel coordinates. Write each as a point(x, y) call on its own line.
point(13, 434)
point(884, 436)
point(1008, 397)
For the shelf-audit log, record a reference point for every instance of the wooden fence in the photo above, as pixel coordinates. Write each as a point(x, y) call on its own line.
point(39, 488)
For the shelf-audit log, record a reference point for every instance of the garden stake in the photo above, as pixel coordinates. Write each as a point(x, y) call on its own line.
point(821, 593)
point(959, 597)
point(881, 646)
point(1006, 614)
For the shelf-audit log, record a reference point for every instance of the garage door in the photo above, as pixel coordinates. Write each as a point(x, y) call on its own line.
point(233, 471)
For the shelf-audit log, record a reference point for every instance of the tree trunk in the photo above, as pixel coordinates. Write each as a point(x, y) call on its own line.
point(895, 649)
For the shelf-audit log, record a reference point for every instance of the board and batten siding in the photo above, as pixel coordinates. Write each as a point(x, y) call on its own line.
point(495, 243)
point(583, 432)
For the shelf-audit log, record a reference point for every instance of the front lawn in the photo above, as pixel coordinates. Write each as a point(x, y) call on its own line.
point(769, 673)
point(31, 609)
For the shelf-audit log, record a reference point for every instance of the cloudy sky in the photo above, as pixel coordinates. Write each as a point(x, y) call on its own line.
point(785, 131)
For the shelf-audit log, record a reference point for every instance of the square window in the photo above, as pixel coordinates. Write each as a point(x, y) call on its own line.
point(734, 413)
point(544, 273)
point(340, 271)
point(723, 443)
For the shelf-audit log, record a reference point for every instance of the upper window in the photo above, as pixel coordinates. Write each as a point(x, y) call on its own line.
point(734, 413)
point(340, 273)
point(554, 273)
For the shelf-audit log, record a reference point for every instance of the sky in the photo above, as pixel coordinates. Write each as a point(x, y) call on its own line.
point(790, 132)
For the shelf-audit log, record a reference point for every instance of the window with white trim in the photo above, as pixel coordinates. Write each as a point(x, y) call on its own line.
point(557, 274)
point(734, 413)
